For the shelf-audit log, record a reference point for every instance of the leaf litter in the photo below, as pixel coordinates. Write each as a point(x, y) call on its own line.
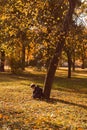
point(64, 111)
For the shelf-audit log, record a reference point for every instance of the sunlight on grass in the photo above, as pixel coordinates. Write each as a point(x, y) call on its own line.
point(67, 107)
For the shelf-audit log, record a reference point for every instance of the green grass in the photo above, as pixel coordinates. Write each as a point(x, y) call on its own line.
point(67, 107)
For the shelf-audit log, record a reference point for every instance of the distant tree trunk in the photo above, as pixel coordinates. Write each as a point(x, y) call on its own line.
point(83, 63)
point(28, 50)
point(23, 39)
point(2, 61)
point(69, 64)
point(73, 62)
point(23, 57)
point(55, 60)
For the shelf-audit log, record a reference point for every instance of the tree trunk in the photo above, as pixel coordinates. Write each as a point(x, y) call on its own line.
point(23, 57)
point(55, 60)
point(69, 64)
point(73, 62)
point(23, 39)
point(73, 65)
point(2, 61)
point(83, 63)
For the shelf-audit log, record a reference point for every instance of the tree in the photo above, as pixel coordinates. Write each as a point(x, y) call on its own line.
point(59, 47)
point(71, 45)
point(82, 48)
point(18, 18)
point(2, 61)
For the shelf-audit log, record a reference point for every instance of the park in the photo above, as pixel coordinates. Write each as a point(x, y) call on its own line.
point(66, 109)
point(43, 44)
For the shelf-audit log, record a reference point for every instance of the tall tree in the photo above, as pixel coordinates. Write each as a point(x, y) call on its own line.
point(55, 60)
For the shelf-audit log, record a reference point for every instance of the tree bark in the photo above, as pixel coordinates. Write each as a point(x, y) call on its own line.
point(23, 57)
point(69, 64)
point(55, 60)
point(83, 57)
point(23, 39)
point(2, 61)
point(73, 63)
point(83, 63)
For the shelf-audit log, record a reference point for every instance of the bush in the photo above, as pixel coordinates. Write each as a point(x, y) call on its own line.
point(15, 65)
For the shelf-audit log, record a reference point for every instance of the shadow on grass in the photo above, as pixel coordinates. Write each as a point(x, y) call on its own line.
point(11, 126)
point(9, 77)
point(21, 126)
point(54, 101)
point(78, 85)
point(53, 125)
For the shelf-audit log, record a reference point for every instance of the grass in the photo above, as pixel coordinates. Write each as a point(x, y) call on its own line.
point(66, 110)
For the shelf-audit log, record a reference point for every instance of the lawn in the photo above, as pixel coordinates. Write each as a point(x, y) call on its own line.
point(66, 110)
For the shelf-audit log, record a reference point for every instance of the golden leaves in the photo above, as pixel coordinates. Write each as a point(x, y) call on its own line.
point(4, 17)
point(19, 111)
point(80, 129)
point(1, 116)
point(58, 18)
point(44, 29)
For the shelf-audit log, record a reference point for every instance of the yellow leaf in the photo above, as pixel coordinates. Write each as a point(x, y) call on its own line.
point(5, 117)
point(80, 129)
point(58, 18)
point(1, 116)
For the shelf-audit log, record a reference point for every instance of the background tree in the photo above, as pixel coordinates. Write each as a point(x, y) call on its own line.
point(18, 20)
